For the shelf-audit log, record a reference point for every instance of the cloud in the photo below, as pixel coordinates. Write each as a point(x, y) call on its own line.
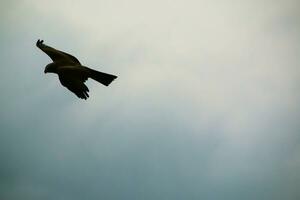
point(205, 106)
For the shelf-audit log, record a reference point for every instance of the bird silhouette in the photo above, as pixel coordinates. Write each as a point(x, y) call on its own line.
point(71, 73)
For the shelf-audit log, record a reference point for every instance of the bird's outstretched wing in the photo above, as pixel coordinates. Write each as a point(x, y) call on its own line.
point(57, 55)
point(75, 86)
point(73, 78)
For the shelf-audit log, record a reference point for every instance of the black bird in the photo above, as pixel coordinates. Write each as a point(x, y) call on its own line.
point(71, 73)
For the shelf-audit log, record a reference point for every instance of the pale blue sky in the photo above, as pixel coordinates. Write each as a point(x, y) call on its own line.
point(206, 105)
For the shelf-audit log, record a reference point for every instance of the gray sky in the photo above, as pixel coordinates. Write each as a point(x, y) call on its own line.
point(206, 105)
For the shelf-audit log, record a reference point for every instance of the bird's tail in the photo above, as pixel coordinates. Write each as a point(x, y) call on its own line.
point(101, 77)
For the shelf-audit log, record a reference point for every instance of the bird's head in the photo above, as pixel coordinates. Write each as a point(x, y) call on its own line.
point(50, 68)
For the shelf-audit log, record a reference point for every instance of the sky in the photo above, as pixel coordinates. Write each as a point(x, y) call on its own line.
point(206, 104)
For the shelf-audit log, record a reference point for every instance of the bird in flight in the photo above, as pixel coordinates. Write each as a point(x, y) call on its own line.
point(71, 73)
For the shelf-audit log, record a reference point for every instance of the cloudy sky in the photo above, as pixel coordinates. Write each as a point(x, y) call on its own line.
point(206, 105)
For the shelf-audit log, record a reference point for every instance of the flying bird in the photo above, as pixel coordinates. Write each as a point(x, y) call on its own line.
point(71, 73)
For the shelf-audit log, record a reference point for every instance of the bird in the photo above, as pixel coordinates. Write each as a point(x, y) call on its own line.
point(71, 73)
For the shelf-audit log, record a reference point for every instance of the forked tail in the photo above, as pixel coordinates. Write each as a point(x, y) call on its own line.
point(101, 77)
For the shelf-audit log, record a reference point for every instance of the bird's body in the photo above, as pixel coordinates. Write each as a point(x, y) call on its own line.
point(71, 73)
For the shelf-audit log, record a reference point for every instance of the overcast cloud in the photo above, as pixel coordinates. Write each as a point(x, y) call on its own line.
point(206, 105)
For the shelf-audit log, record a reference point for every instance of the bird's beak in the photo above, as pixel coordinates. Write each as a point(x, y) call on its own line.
point(46, 70)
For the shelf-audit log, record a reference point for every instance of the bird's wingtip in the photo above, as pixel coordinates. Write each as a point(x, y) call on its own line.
point(39, 42)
